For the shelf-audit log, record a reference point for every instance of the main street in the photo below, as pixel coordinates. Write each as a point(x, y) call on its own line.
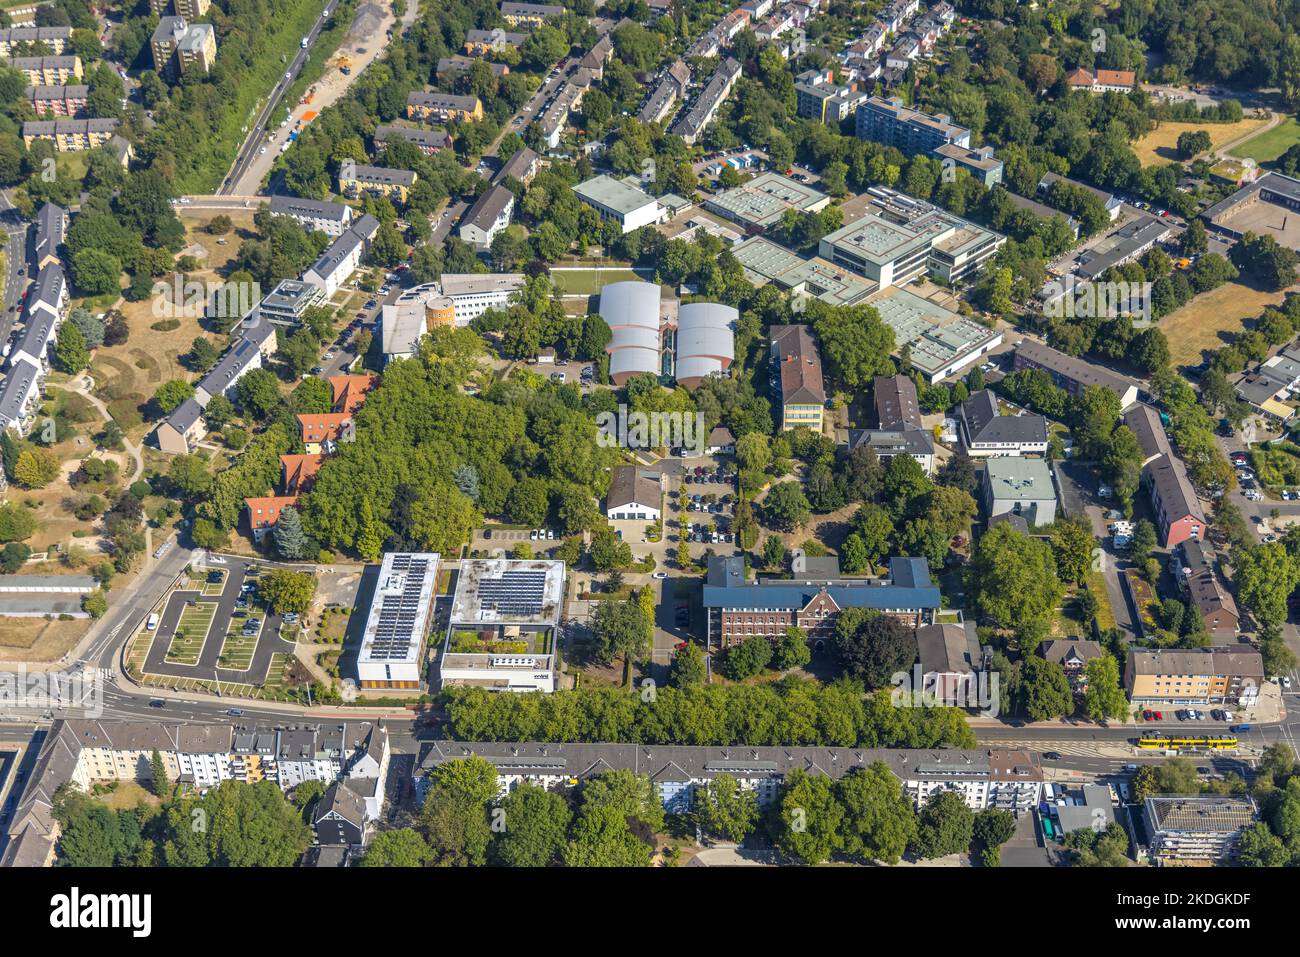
point(248, 152)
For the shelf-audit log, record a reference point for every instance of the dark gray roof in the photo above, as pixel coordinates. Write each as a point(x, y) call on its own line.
point(487, 209)
point(683, 763)
point(1062, 650)
point(1150, 431)
point(896, 403)
point(230, 367)
point(1132, 238)
point(909, 572)
point(185, 415)
point(944, 648)
point(1177, 497)
point(426, 139)
point(517, 166)
point(384, 175)
point(51, 228)
point(893, 441)
point(15, 389)
point(300, 208)
point(343, 801)
point(49, 288)
point(983, 424)
point(1076, 370)
point(702, 110)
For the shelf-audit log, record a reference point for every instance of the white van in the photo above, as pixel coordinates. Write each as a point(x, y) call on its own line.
point(152, 622)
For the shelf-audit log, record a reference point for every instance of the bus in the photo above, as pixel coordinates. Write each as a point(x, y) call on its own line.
point(1154, 741)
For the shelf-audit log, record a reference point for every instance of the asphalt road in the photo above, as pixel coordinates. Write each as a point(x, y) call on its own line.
point(16, 257)
point(248, 152)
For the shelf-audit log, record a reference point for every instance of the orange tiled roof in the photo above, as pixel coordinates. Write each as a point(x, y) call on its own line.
point(299, 470)
point(350, 391)
point(322, 427)
point(1079, 77)
point(265, 512)
point(1116, 77)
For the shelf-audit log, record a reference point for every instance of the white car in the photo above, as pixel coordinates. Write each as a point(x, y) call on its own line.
point(1286, 682)
point(532, 536)
point(550, 535)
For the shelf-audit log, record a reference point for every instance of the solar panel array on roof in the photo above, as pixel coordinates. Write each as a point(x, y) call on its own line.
point(399, 613)
point(514, 593)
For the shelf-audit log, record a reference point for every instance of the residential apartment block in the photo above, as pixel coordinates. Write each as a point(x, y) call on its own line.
point(56, 38)
point(529, 14)
point(1019, 486)
point(313, 214)
point(345, 254)
point(62, 101)
point(488, 217)
point(915, 132)
point(83, 753)
point(356, 180)
point(899, 428)
point(1071, 374)
point(428, 141)
point(797, 375)
point(1011, 780)
point(443, 107)
point(1197, 828)
point(985, 431)
point(1227, 674)
point(49, 70)
point(693, 121)
point(70, 136)
point(190, 9)
point(181, 48)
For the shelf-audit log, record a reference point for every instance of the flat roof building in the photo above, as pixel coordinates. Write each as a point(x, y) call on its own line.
point(615, 199)
point(503, 625)
point(1022, 487)
point(760, 203)
point(398, 621)
point(941, 342)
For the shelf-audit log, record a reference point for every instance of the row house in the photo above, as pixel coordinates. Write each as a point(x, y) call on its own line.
point(85, 753)
point(1012, 780)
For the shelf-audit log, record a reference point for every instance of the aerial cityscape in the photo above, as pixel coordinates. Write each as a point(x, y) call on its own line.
point(649, 433)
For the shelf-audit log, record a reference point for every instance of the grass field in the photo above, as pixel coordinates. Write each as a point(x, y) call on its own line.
point(127, 795)
point(1196, 327)
point(1159, 146)
point(587, 282)
point(191, 632)
point(1269, 145)
point(38, 639)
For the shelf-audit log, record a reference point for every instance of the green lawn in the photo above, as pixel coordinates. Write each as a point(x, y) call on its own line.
point(191, 632)
point(1268, 146)
point(586, 282)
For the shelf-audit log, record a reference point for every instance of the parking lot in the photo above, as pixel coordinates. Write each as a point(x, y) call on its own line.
point(711, 495)
point(217, 628)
